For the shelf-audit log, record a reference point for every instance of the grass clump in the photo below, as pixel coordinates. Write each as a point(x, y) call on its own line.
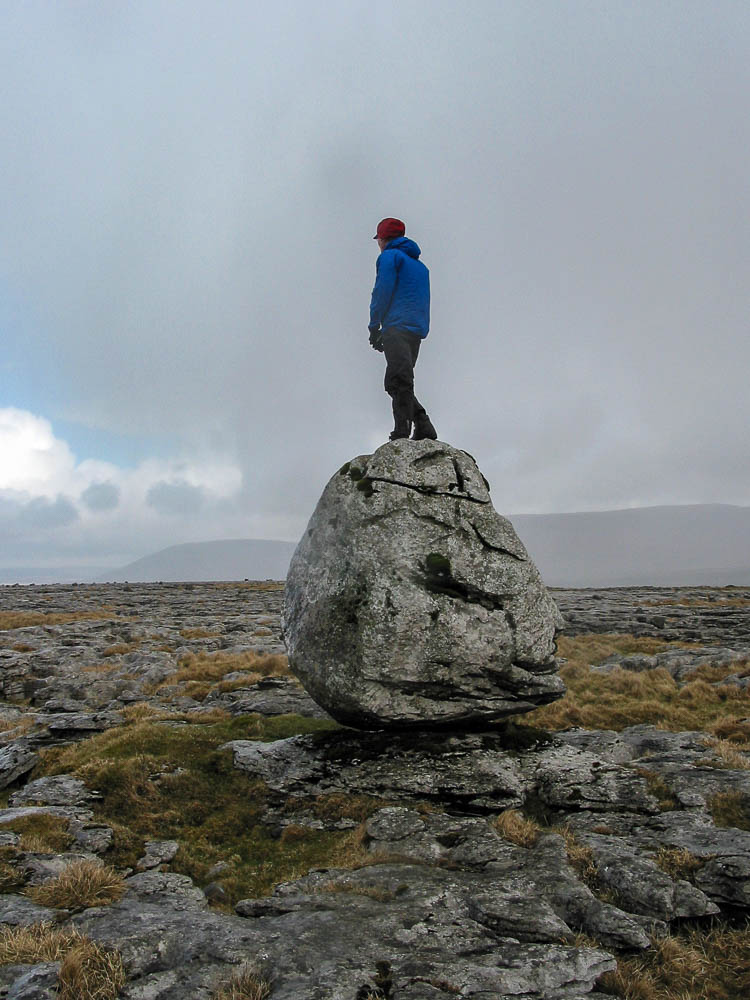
point(41, 833)
point(13, 728)
point(121, 648)
point(88, 971)
point(27, 619)
point(246, 983)
point(678, 862)
point(337, 805)
point(170, 781)
point(730, 809)
point(726, 754)
point(35, 943)
point(624, 698)
point(199, 673)
point(580, 858)
point(658, 788)
point(354, 889)
point(11, 877)
point(80, 885)
point(694, 965)
point(516, 828)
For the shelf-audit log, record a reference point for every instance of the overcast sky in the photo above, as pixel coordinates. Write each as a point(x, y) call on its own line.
point(189, 192)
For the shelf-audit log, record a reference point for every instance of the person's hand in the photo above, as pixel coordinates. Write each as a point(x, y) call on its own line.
point(376, 340)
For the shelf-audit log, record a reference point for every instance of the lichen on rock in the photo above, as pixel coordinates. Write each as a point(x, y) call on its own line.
point(411, 602)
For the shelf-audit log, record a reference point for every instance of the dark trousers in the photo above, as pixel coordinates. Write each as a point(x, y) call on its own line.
point(401, 351)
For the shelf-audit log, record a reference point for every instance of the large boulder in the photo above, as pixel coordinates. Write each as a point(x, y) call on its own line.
point(411, 602)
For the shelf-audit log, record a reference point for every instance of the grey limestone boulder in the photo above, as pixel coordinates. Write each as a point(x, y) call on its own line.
point(411, 602)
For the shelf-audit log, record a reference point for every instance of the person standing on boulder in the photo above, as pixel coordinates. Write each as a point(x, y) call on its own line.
point(399, 322)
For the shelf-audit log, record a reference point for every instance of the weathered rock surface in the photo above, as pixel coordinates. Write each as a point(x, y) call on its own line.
point(411, 602)
point(447, 906)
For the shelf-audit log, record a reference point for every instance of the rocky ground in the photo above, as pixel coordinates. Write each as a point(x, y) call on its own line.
point(152, 733)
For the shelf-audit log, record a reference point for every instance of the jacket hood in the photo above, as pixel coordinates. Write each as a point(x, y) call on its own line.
point(406, 245)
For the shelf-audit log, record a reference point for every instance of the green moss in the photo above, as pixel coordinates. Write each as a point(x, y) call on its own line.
point(171, 781)
point(344, 469)
point(355, 473)
point(437, 563)
point(364, 485)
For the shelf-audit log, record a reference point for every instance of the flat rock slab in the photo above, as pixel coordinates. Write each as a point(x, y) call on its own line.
point(411, 602)
point(15, 761)
point(475, 772)
point(405, 926)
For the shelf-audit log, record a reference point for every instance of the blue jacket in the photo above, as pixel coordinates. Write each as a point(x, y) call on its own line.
point(401, 296)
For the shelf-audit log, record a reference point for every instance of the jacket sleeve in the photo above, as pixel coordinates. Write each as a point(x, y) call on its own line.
point(385, 284)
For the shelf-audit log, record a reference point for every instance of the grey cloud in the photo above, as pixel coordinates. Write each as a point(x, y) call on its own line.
point(178, 497)
point(20, 517)
point(101, 496)
point(191, 217)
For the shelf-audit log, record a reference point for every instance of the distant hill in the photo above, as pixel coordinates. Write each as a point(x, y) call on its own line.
point(671, 546)
point(236, 559)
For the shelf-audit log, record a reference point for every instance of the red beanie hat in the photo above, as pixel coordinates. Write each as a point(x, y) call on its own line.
point(389, 229)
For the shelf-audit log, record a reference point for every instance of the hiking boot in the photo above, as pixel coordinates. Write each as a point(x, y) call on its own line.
point(398, 436)
point(423, 429)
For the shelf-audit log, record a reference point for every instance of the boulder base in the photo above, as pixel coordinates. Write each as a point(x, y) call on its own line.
point(411, 602)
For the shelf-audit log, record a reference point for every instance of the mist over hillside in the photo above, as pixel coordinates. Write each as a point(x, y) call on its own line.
point(690, 545)
point(699, 544)
point(671, 546)
point(232, 559)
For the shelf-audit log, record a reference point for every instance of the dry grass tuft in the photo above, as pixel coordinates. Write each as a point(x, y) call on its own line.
point(693, 966)
point(726, 754)
point(11, 878)
point(730, 809)
point(354, 889)
point(245, 984)
point(580, 857)
point(90, 972)
point(624, 698)
point(27, 619)
point(515, 827)
point(203, 672)
point(121, 648)
point(734, 729)
point(41, 833)
point(140, 711)
point(98, 668)
point(699, 602)
point(12, 728)
point(35, 943)
point(80, 885)
point(199, 633)
point(677, 862)
point(658, 787)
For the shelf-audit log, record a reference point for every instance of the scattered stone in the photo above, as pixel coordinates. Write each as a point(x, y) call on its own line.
point(39, 982)
point(215, 893)
point(270, 696)
point(20, 911)
point(158, 852)
point(58, 790)
point(411, 602)
point(15, 761)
